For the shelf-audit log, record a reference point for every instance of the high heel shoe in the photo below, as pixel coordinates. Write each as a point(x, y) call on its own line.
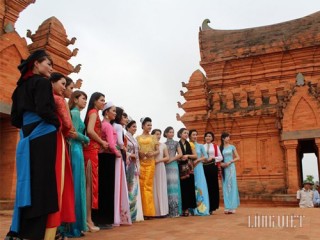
point(92, 228)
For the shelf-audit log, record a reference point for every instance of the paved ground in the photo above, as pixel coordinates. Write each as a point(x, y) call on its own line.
point(304, 224)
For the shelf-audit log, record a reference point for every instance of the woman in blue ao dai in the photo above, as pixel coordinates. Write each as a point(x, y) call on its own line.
point(229, 181)
point(77, 103)
point(202, 196)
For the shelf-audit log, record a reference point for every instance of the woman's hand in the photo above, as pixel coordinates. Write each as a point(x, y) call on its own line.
point(133, 157)
point(196, 162)
point(128, 162)
point(118, 154)
point(104, 144)
point(73, 134)
point(149, 154)
point(184, 157)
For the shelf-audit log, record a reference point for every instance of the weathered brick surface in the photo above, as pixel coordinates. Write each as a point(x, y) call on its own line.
point(250, 90)
point(9, 137)
point(50, 36)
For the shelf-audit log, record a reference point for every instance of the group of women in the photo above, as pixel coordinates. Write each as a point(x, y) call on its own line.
point(75, 176)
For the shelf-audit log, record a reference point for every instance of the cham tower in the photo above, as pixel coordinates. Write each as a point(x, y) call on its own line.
point(50, 36)
point(262, 85)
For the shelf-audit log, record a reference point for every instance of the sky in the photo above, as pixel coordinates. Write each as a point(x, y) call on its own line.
point(138, 52)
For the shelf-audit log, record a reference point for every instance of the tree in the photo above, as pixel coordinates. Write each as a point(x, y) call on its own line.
point(309, 178)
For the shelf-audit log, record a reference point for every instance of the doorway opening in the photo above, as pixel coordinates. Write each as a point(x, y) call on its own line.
point(308, 160)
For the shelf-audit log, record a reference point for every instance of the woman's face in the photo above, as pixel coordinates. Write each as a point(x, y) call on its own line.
point(99, 104)
point(147, 127)
point(124, 120)
point(133, 128)
point(81, 102)
point(185, 134)
point(194, 136)
point(170, 134)
point(59, 86)
point(69, 89)
point(111, 113)
point(208, 138)
point(227, 139)
point(44, 68)
point(158, 135)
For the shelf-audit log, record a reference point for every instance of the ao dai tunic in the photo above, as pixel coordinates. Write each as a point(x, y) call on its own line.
point(77, 164)
point(173, 180)
point(132, 174)
point(147, 143)
point(201, 193)
point(229, 183)
point(160, 185)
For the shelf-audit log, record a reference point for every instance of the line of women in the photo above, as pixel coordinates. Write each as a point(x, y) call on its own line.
point(75, 176)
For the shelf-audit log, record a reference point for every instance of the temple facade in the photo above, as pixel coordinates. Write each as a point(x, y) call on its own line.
point(50, 36)
point(262, 85)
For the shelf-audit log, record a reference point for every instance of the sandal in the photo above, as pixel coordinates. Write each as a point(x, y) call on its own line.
point(60, 236)
point(186, 214)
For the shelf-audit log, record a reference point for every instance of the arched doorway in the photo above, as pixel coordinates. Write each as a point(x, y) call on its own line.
point(308, 159)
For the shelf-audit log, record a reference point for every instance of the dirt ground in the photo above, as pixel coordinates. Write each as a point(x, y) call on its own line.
point(247, 223)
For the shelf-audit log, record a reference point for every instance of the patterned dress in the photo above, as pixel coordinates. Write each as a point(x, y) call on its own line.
point(173, 180)
point(229, 183)
point(187, 184)
point(202, 196)
point(132, 175)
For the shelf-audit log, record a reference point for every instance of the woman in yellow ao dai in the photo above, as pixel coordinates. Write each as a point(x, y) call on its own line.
point(149, 148)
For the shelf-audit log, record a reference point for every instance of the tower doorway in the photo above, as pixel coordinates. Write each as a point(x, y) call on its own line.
point(308, 160)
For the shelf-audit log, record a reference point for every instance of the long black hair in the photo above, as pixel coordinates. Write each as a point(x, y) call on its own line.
point(119, 113)
point(223, 136)
point(26, 66)
point(55, 77)
point(94, 97)
point(68, 81)
point(192, 131)
point(180, 132)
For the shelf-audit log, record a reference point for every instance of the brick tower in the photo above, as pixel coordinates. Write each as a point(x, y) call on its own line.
point(262, 86)
point(51, 36)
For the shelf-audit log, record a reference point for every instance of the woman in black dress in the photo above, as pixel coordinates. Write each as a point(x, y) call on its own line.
point(33, 111)
point(211, 169)
point(186, 173)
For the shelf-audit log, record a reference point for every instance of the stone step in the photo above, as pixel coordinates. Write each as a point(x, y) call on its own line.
point(269, 200)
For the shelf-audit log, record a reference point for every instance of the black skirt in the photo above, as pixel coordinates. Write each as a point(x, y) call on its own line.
point(188, 195)
point(44, 196)
point(106, 180)
point(211, 173)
